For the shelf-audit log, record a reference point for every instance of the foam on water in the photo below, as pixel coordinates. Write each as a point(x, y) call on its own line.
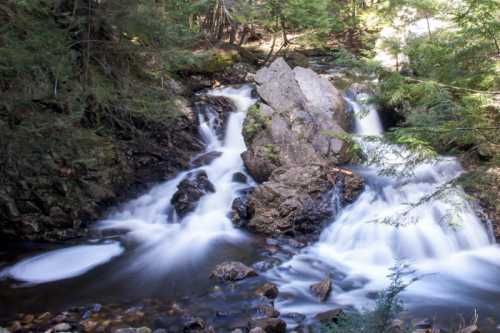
point(63, 264)
point(440, 236)
point(158, 242)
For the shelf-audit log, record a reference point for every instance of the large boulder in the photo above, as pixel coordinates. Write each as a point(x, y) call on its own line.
point(295, 139)
point(232, 271)
point(190, 191)
point(297, 200)
point(305, 116)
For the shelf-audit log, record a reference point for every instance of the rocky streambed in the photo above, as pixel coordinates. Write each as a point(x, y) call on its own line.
point(242, 240)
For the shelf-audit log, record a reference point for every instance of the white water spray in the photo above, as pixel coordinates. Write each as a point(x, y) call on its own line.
point(439, 235)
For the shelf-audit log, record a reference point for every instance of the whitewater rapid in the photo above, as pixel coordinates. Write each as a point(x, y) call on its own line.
point(155, 239)
point(420, 218)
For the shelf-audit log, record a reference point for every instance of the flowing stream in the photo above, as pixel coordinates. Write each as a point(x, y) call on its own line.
point(417, 217)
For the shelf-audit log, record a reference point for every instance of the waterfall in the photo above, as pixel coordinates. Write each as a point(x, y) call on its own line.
point(156, 242)
point(419, 218)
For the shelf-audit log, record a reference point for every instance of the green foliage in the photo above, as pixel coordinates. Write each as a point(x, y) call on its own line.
point(271, 153)
point(388, 306)
point(255, 122)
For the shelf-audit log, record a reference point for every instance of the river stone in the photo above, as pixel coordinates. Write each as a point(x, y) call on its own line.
point(190, 191)
point(330, 316)
point(267, 311)
point(240, 177)
point(205, 159)
point(322, 289)
point(270, 325)
point(232, 271)
point(269, 290)
point(240, 213)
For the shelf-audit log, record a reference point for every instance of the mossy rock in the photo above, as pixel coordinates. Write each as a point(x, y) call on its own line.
point(255, 122)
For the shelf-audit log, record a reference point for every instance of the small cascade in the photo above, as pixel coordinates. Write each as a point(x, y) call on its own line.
point(156, 241)
point(418, 218)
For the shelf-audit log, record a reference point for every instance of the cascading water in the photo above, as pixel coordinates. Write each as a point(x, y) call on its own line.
point(419, 218)
point(155, 242)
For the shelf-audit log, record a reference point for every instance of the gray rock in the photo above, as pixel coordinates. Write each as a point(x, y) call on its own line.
point(232, 271)
point(322, 289)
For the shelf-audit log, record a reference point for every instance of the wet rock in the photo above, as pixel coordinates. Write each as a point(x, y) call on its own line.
point(267, 311)
point(62, 327)
point(295, 316)
point(240, 177)
point(193, 324)
point(190, 191)
point(263, 266)
point(217, 108)
point(240, 211)
point(297, 200)
point(232, 271)
point(270, 325)
point(4, 330)
point(269, 290)
point(330, 316)
point(322, 289)
point(205, 159)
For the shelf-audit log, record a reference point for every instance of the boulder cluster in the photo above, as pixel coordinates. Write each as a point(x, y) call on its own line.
point(296, 138)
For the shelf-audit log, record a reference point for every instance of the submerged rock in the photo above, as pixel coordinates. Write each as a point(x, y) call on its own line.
point(269, 290)
point(232, 271)
point(205, 159)
point(240, 177)
point(190, 191)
